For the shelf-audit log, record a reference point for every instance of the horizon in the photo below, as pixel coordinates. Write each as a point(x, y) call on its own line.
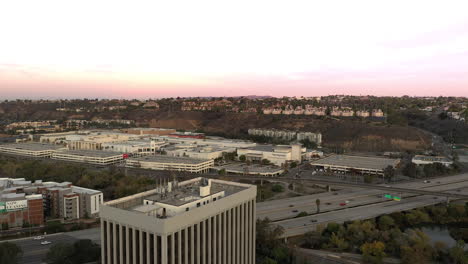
point(208, 48)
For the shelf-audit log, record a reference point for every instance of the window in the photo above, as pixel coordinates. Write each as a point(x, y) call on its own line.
point(186, 209)
point(198, 204)
point(214, 199)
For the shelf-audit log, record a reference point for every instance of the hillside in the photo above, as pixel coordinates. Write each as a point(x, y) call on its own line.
point(349, 134)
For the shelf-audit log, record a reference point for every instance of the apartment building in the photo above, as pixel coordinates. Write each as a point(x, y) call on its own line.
point(24, 201)
point(195, 221)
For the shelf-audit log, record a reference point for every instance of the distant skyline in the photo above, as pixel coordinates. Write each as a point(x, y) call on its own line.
point(154, 49)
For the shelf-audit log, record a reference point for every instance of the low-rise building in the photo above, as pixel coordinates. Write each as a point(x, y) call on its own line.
point(135, 147)
point(355, 164)
point(35, 150)
point(423, 160)
point(150, 131)
point(162, 162)
point(277, 155)
point(103, 158)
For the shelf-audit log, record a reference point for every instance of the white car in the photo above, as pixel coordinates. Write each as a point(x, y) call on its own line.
point(45, 242)
point(38, 237)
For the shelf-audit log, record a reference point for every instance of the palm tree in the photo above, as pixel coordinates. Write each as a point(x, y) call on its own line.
point(317, 202)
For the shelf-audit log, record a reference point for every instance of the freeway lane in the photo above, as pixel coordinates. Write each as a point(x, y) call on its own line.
point(283, 208)
point(302, 225)
point(34, 252)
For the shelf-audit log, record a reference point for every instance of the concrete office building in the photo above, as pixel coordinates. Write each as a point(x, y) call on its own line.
point(423, 160)
point(150, 131)
point(34, 150)
point(357, 164)
point(195, 221)
point(134, 147)
point(206, 152)
point(278, 155)
point(103, 158)
point(159, 162)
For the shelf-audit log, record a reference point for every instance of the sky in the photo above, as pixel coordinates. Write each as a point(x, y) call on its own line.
point(153, 49)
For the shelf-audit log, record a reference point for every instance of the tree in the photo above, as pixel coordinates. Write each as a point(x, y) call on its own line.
point(277, 188)
point(293, 164)
point(337, 243)
point(9, 253)
point(222, 172)
point(410, 170)
point(457, 253)
point(60, 254)
point(317, 203)
point(417, 249)
point(389, 172)
point(242, 158)
point(82, 251)
point(373, 252)
point(386, 222)
point(269, 247)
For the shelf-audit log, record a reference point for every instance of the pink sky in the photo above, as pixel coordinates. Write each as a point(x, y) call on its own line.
point(124, 49)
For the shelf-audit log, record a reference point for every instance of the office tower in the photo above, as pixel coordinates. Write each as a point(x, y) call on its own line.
point(196, 221)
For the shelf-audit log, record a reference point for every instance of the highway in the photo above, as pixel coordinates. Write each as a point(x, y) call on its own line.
point(363, 204)
point(385, 187)
point(302, 225)
point(286, 208)
point(34, 252)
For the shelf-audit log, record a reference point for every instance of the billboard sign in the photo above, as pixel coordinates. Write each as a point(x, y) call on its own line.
point(2, 207)
point(16, 205)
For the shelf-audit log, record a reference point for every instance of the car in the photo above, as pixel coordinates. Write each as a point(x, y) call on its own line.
point(295, 211)
point(342, 204)
point(347, 202)
point(313, 220)
point(426, 181)
point(45, 242)
point(291, 205)
point(38, 237)
point(388, 186)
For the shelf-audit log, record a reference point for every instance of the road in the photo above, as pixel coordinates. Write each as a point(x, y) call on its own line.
point(286, 208)
point(363, 204)
point(302, 225)
point(34, 252)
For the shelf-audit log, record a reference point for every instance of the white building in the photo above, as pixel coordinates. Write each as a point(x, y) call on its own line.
point(198, 152)
point(36, 150)
point(195, 221)
point(89, 156)
point(160, 162)
point(423, 160)
point(134, 147)
point(277, 155)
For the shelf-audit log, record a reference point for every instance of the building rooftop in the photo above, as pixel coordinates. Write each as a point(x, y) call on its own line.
point(77, 189)
point(431, 158)
point(91, 153)
point(375, 163)
point(169, 159)
point(176, 197)
point(32, 146)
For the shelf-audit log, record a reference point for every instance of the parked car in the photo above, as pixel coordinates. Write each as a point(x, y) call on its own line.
point(38, 237)
point(295, 211)
point(45, 242)
point(342, 204)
